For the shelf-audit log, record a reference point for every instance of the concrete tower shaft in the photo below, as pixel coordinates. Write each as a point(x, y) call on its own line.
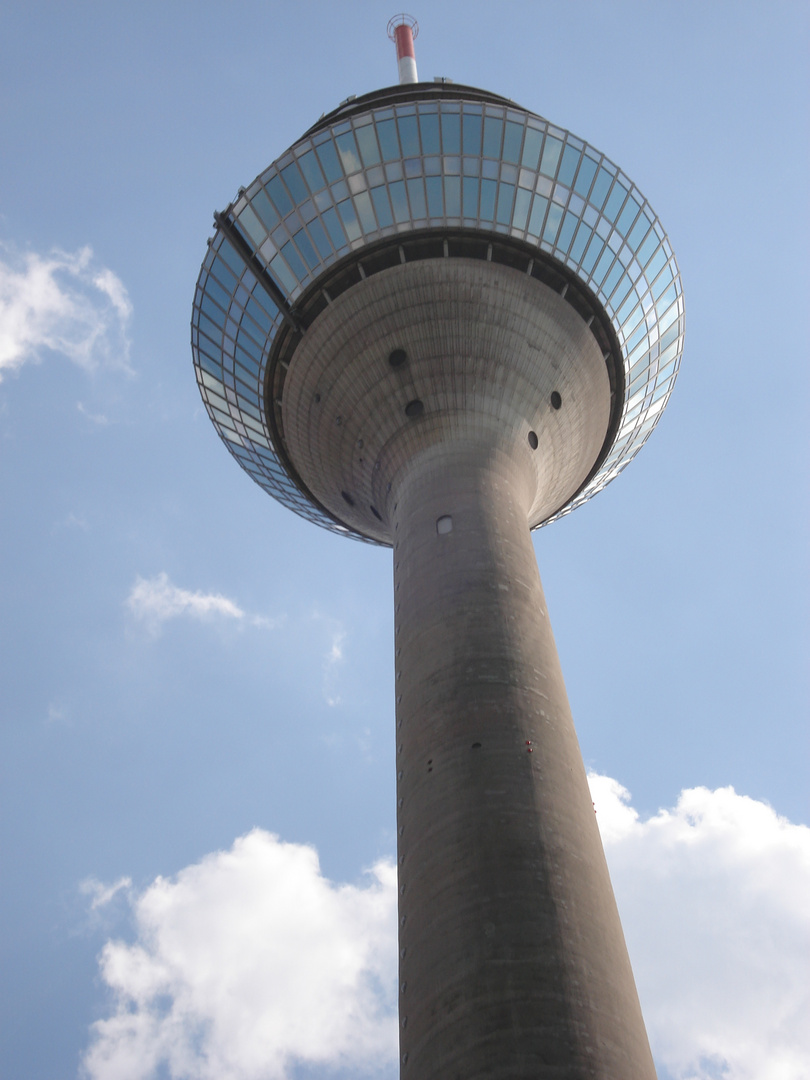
point(512, 958)
point(439, 353)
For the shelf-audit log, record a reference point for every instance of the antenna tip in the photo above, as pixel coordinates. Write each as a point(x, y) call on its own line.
point(402, 20)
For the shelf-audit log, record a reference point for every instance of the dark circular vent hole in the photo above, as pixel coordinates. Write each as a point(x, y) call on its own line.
point(414, 408)
point(317, 398)
point(397, 358)
point(556, 400)
point(375, 512)
point(476, 746)
point(347, 497)
point(532, 440)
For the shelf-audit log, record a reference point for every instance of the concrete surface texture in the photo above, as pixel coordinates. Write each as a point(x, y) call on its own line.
point(512, 957)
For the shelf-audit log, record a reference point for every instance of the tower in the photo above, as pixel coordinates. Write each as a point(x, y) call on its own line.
point(436, 323)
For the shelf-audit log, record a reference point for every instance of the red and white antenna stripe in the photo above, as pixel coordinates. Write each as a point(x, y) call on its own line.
point(402, 30)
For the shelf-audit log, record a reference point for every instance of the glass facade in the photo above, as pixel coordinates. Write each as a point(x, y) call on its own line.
point(449, 164)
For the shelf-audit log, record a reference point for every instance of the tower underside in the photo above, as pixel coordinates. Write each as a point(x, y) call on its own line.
point(446, 407)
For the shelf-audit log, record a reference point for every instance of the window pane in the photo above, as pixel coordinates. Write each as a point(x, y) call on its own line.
point(429, 126)
point(379, 196)
point(488, 190)
point(368, 145)
point(552, 223)
point(522, 202)
point(587, 171)
point(294, 260)
point(434, 196)
point(316, 231)
point(493, 131)
point(295, 182)
point(451, 133)
point(506, 193)
point(265, 209)
point(600, 188)
point(409, 136)
point(329, 162)
point(567, 231)
point(398, 198)
point(582, 237)
point(569, 166)
point(539, 207)
point(330, 220)
point(416, 193)
point(387, 134)
point(311, 170)
point(452, 196)
point(551, 155)
point(304, 245)
point(363, 204)
point(472, 134)
point(469, 189)
point(347, 148)
point(628, 216)
point(531, 149)
point(278, 193)
point(513, 137)
point(615, 200)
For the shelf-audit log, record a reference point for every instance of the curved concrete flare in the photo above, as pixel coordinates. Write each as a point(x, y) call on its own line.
point(439, 352)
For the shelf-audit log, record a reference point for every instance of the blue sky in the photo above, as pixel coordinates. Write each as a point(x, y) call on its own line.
point(188, 670)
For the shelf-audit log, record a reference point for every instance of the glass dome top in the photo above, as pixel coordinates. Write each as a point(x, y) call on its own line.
point(455, 161)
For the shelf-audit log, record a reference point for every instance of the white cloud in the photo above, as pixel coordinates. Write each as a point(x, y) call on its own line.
point(156, 600)
point(713, 895)
point(333, 657)
point(62, 302)
point(251, 961)
point(248, 963)
point(102, 894)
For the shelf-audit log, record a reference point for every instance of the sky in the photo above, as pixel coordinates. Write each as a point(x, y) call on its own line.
point(197, 821)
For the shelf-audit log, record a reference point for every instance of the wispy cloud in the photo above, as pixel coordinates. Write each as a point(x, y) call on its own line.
point(156, 600)
point(333, 657)
point(102, 894)
point(65, 303)
point(250, 961)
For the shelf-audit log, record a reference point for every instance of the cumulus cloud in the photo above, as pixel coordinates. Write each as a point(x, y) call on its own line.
point(251, 963)
point(156, 600)
point(64, 303)
point(713, 896)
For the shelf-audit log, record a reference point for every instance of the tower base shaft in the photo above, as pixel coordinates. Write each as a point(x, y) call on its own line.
point(512, 959)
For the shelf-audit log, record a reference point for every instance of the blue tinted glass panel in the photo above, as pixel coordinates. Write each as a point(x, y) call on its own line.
point(265, 209)
point(451, 133)
point(568, 166)
point(416, 193)
point(551, 155)
point(316, 231)
point(312, 171)
point(349, 219)
point(232, 258)
point(512, 138)
point(639, 231)
point(295, 182)
point(609, 284)
point(615, 200)
point(329, 162)
point(214, 313)
point(347, 148)
point(278, 193)
point(600, 188)
point(387, 134)
point(260, 316)
point(493, 132)
point(587, 171)
point(434, 196)
point(539, 207)
point(471, 130)
point(304, 245)
point(488, 191)
point(216, 292)
point(429, 126)
point(622, 290)
point(531, 149)
point(400, 201)
point(522, 202)
point(601, 267)
point(224, 274)
point(552, 223)
point(452, 196)
point(379, 197)
point(365, 212)
point(282, 272)
point(368, 145)
point(409, 136)
point(567, 231)
point(581, 239)
point(330, 220)
point(252, 226)
point(627, 216)
point(647, 248)
point(506, 193)
point(470, 187)
point(656, 263)
point(592, 253)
